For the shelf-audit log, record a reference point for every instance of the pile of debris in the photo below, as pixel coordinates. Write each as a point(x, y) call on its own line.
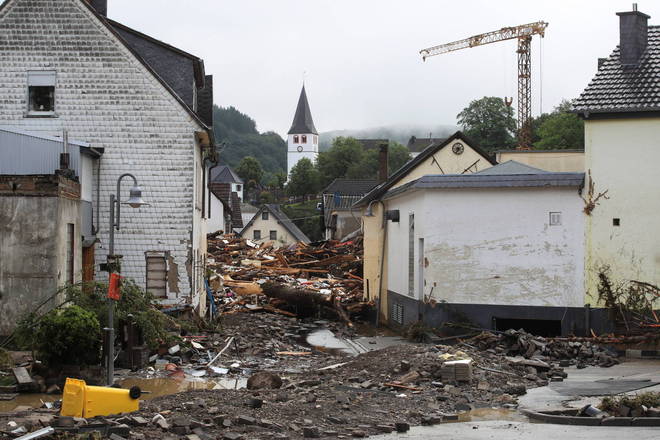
point(577, 351)
point(299, 280)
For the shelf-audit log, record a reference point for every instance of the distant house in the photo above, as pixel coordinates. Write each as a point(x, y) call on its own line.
point(64, 65)
point(501, 248)
point(621, 112)
point(417, 145)
point(271, 224)
point(225, 200)
point(339, 197)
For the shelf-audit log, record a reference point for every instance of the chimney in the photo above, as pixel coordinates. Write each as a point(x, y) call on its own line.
point(101, 6)
point(633, 35)
point(382, 163)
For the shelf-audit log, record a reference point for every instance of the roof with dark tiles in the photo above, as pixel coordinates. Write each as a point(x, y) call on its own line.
point(224, 174)
point(302, 121)
point(619, 89)
point(417, 145)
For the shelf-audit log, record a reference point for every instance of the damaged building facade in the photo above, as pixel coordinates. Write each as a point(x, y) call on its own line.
point(517, 246)
point(621, 112)
point(65, 66)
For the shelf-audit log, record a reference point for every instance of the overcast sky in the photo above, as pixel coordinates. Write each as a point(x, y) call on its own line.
point(361, 56)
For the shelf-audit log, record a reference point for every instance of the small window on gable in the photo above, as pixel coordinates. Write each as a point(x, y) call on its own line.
point(304, 139)
point(555, 219)
point(264, 215)
point(238, 187)
point(616, 222)
point(273, 235)
point(41, 92)
point(256, 234)
point(295, 139)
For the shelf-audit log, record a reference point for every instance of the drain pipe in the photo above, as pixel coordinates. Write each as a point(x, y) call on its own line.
point(382, 261)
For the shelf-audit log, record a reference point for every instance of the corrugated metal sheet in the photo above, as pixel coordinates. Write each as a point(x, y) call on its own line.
point(23, 153)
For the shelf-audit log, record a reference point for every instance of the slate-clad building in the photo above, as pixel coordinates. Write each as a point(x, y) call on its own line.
point(148, 105)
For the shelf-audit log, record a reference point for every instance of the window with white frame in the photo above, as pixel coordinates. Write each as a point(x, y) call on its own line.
point(41, 92)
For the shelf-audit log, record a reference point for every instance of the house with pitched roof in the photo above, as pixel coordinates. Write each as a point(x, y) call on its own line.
point(621, 112)
point(338, 198)
point(500, 248)
point(455, 155)
point(66, 66)
point(271, 224)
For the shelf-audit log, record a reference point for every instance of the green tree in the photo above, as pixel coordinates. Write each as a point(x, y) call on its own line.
point(341, 160)
point(368, 167)
point(249, 169)
point(560, 129)
point(489, 122)
point(304, 179)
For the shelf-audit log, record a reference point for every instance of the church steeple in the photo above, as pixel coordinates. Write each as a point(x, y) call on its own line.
point(302, 121)
point(303, 139)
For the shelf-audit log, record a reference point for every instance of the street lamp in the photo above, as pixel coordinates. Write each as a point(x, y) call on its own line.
point(134, 201)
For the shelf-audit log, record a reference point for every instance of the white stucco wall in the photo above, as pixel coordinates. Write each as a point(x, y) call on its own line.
point(217, 220)
point(310, 150)
point(106, 97)
point(284, 238)
point(623, 157)
point(491, 246)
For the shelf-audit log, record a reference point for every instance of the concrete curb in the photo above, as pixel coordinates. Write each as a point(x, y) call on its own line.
point(558, 419)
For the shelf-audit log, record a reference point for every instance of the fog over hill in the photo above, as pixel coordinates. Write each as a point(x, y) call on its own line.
point(397, 133)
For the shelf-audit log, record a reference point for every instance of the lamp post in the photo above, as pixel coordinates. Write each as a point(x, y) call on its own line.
point(134, 201)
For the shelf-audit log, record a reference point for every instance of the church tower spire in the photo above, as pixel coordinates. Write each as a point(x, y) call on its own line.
point(303, 139)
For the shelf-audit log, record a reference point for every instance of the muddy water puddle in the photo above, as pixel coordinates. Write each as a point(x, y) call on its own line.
point(155, 387)
point(164, 386)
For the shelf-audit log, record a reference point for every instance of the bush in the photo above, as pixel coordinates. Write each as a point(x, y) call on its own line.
point(134, 301)
point(69, 336)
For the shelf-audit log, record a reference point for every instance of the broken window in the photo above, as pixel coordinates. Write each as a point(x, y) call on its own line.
point(411, 254)
point(555, 218)
point(256, 234)
point(157, 274)
point(264, 215)
point(273, 235)
point(70, 252)
point(41, 92)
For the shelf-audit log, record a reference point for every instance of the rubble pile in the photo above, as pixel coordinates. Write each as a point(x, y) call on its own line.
point(299, 280)
point(580, 353)
point(373, 393)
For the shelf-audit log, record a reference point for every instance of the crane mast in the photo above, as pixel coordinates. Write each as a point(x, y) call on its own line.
point(523, 34)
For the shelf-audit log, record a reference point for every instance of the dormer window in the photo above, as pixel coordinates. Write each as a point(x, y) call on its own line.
point(304, 139)
point(295, 139)
point(41, 93)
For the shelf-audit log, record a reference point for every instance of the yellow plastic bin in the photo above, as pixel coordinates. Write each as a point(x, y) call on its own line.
point(82, 400)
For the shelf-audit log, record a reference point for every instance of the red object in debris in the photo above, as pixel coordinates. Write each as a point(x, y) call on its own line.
point(113, 286)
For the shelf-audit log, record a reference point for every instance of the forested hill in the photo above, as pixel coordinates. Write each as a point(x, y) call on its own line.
point(239, 134)
point(395, 133)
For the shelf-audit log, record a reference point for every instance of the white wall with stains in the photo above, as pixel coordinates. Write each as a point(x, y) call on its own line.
point(490, 246)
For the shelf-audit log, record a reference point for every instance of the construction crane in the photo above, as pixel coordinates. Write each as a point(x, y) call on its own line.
point(524, 35)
